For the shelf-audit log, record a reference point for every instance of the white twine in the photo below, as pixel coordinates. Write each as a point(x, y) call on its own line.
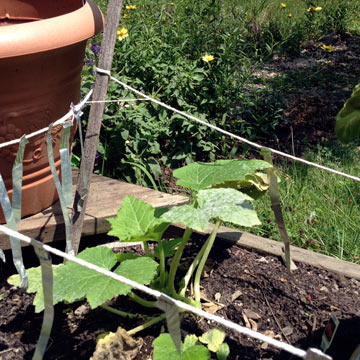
point(258, 146)
point(60, 121)
point(114, 101)
point(157, 294)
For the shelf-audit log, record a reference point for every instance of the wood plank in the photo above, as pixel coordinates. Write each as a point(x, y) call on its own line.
point(104, 201)
point(273, 247)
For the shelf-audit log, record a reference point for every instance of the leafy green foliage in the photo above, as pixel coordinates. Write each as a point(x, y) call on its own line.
point(162, 56)
point(348, 119)
point(223, 352)
point(73, 282)
point(138, 221)
point(164, 349)
point(224, 204)
point(237, 174)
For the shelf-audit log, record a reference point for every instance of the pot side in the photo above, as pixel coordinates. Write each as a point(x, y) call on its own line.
point(42, 47)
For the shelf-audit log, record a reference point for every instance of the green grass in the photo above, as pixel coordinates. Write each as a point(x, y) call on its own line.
point(321, 210)
point(162, 56)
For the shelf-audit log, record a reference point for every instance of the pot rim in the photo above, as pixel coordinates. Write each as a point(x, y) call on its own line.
point(50, 34)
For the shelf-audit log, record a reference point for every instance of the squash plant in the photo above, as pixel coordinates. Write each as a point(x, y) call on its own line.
point(222, 191)
point(348, 119)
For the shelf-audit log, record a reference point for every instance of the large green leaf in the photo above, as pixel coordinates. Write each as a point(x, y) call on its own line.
point(198, 176)
point(225, 204)
point(35, 284)
point(137, 221)
point(164, 349)
point(73, 282)
point(348, 119)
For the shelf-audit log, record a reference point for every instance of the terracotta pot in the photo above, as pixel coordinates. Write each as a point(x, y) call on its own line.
point(42, 47)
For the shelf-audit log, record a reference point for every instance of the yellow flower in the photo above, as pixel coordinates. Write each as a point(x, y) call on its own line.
point(208, 58)
point(290, 15)
point(122, 33)
point(318, 8)
point(328, 48)
point(130, 7)
point(125, 15)
point(283, 5)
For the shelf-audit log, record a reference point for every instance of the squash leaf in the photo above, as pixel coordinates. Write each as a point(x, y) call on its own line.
point(348, 119)
point(225, 204)
point(137, 221)
point(73, 282)
point(164, 349)
point(225, 173)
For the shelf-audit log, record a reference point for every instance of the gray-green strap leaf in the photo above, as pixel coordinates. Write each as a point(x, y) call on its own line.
point(64, 209)
point(47, 284)
point(13, 213)
point(77, 115)
point(17, 175)
point(66, 173)
point(167, 304)
point(276, 207)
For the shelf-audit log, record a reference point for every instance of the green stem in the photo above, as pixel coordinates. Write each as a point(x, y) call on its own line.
point(176, 260)
point(185, 299)
point(162, 263)
point(141, 301)
point(192, 268)
point(146, 248)
point(118, 312)
point(151, 322)
point(200, 268)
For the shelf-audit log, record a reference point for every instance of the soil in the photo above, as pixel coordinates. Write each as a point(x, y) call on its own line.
point(315, 86)
point(248, 288)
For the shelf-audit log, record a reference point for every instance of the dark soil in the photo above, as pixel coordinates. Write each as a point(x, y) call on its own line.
point(315, 85)
point(245, 287)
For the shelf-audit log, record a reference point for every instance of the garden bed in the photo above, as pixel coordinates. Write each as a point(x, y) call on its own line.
point(244, 286)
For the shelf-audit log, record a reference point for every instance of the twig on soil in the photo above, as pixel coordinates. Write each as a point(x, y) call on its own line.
point(269, 306)
point(6, 350)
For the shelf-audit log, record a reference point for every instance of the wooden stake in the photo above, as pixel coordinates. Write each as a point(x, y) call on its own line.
point(95, 118)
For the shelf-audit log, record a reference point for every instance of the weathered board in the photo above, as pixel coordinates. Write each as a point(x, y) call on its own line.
point(104, 201)
point(273, 247)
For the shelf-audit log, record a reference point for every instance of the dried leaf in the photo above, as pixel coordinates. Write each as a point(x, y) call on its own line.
point(269, 333)
point(117, 345)
point(253, 324)
point(251, 314)
point(211, 307)
point(246, 320)
point(235, 295)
